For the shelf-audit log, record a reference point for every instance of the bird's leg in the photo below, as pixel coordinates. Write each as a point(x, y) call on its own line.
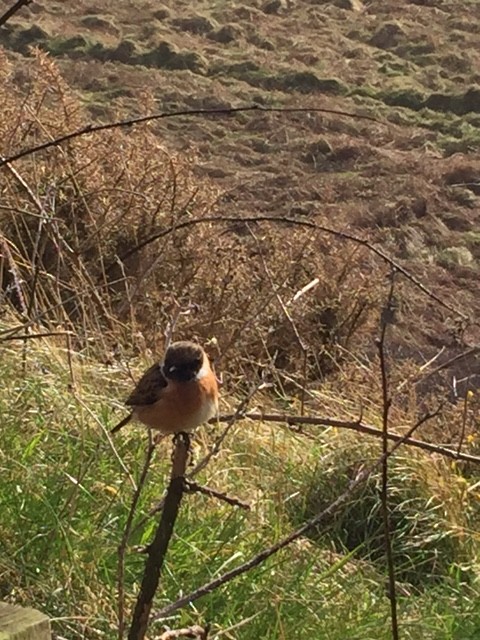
point(186, 437)
point(187, 441)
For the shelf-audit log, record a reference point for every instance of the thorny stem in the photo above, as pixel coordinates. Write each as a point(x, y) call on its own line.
point(157, 550)
point(13, 10)
point(360, 427)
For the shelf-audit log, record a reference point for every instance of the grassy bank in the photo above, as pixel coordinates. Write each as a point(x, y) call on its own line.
point(66, 492)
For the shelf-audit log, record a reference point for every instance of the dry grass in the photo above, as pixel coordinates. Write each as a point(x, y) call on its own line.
point(78, 226)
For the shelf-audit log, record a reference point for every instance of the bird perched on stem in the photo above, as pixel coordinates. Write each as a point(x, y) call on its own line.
point(177, 395)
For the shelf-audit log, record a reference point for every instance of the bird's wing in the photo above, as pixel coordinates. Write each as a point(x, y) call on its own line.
point(149, 387)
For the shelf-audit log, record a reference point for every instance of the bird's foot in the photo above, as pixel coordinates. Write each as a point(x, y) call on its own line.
point(184, 438)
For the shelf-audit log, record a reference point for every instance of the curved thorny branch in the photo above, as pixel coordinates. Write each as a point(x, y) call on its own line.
point(9, 13)
point(205, 113)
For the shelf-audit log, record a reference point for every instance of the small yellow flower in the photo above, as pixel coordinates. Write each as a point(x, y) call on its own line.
point(470, 394)
point(106, 488)
point(471, 437)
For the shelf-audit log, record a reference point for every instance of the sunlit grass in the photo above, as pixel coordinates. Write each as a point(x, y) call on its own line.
point(65, 498)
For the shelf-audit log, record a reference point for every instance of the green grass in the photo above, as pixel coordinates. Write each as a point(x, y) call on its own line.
point(65, 497)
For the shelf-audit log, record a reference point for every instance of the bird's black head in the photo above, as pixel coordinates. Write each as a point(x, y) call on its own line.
point(183, 361)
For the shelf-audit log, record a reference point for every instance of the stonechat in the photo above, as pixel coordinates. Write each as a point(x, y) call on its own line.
point(177, 395)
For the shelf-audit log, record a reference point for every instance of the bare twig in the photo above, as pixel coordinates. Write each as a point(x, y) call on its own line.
point(386, 320)
point(157, 550)
point(361, 428)
point(464, 419)
point(13, 10)
point(283, 307)
point(419, 377)
point(122, 547)
point(194, 487)
point(91, 128)
point(31, 336)
point(217, 445)
point(258, 559)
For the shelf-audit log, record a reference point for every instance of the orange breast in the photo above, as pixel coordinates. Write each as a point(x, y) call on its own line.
point(182, 406)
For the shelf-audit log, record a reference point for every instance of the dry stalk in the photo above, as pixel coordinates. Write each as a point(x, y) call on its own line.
point(386, 320)
point(157, 550)
point(32, 336)
point(464, 420)
point(122, 547)
point(423, 374)
point(286, 313)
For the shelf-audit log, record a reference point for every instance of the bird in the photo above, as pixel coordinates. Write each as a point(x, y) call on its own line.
point(176, 395)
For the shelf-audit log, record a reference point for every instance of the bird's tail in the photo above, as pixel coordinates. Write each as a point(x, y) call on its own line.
point(122, 423)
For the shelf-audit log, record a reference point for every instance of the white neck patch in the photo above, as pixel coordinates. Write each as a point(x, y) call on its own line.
point(204, 371)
